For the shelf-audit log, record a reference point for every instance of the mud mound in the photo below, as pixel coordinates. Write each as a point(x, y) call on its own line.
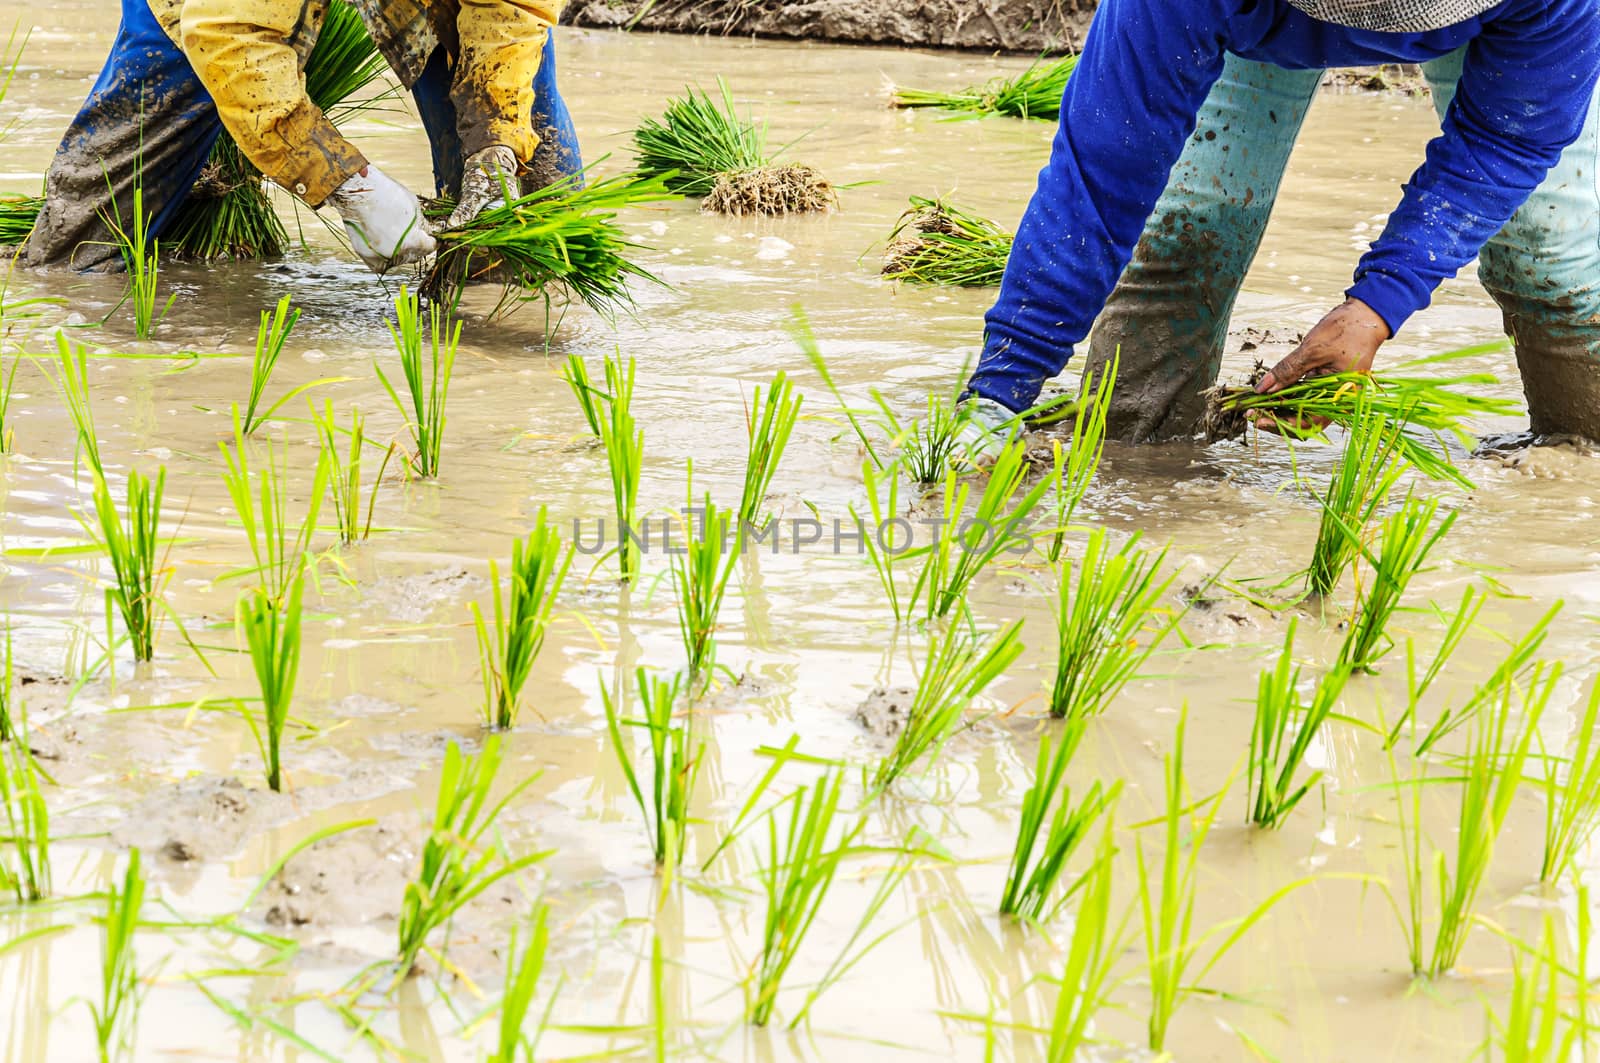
point(347, 880)
point(412, 599)
point(884, 711)
point(200, 819)
point(792, 189)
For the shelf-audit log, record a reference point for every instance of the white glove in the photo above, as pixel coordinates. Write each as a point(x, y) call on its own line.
point(383, 220)
point(484, 179)
point(987, 428)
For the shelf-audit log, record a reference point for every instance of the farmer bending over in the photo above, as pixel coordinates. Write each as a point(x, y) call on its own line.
point(1136, 190)
point(181, 71)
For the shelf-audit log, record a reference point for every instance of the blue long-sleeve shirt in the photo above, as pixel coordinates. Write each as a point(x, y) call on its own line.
point(1132, 103)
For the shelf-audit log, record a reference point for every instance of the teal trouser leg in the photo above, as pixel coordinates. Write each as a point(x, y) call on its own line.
point(1169, 312)
point(1543, 269)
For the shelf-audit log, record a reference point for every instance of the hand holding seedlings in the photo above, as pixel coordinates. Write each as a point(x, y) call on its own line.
point(1346, 340)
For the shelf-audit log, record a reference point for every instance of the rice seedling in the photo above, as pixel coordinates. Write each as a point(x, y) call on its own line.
point(140, 254)
point(1404, 542)
point(699, 148)
point(131, 549)
point(1106, 610)
point(25, 849)
point(1034, 93)
point(695, 141)
point(960, 664)
point(879, 537)
point(8, 378)
point(1282, 735)
point(270, 628)
point(1538, 1026)
point(17, 217)
point(674, 765)
point(458, 861)
point(965, 543)
point(930, 445)
point(275, 328)
point(117, 1011)
point(260, 498)
point(506, 653)
point(1173, 946)
point(1046, 842)
point(802, 863)
point(1456, 627)
point(1086, 980)
point(1077, 467)
point(935, 242)
point(345, 478)
point(768, 425)
point(10, 708)
point(75, 390)
point(1518, 663)
point(1572, 796)
point(523, 968)
point(590, 399)
point(624, 445)
point(701, 573)
point(427, 386)
point(1435, 405)
point(227, 213)
point(562, 235)
point(806, 340)
point(1490, 772)
point(1362, 479)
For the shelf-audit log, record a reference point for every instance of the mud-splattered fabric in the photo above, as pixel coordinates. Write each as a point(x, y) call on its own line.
point(1148, 66)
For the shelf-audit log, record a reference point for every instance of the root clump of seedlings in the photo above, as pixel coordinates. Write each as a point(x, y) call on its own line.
point(792, 188)
point(935, 242)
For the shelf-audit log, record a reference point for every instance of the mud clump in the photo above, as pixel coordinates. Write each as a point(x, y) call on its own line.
point(885, 711)
point(1220, 421)
point(350, 879)
point(412, 598)
point(199, 819)
point(791, 189)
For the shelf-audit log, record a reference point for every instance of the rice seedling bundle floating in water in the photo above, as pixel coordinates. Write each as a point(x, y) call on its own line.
point(1436, 405)
point(1034, 93)
point(702, 148)
point(227, 213)
point(564, 234)
point(936, 243)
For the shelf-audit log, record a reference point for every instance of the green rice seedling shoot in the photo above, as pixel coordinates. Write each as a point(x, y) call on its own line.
point(768, 424)
point(1109, 620)
point(8, 379)
point(351, 511)
point(507, 652)
point(523, 968)
point(960, 665)
point(116, 1012)
point(1076, 468)
point(271, 631)
point(131, 548)
point(1282, 735)
point(1539, 1026)
point(590, 399)
point(74, 363)
point(1404, 542)
point(140, 259)
point(674, 764)
point(930, 445)
point(1362, 479)
point(427, 387)
point(270, 337)
point(880, 539)
point(1087, 978)
point(701, 573)
point(260, 496)
point(25, 850)
point(1518, 663)
point(624, 445)
point(458, 860)
point(1034, 93)
point(936, 242)
point(1572, 796)
point(1045, 842)
point(10, 708)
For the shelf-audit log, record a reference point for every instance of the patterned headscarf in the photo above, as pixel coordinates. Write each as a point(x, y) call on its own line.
point(1395, 16)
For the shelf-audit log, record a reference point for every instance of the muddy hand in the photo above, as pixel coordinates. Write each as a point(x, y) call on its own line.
point(1346, 340)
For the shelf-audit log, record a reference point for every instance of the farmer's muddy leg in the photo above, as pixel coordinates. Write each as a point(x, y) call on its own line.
point(1169, 312)
point(1543, 269)
point(148, 123)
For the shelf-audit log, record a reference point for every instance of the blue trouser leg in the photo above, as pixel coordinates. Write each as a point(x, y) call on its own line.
point(1169, 312)
point(1543, 269)
point(148, 123)
point(557, 155)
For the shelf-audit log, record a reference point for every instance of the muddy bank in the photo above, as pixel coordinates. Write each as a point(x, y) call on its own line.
point(1012, 26)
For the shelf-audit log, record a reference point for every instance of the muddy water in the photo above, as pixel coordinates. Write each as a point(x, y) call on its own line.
point(390, 674)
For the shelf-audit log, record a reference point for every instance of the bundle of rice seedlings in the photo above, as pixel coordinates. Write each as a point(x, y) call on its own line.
point(937, 243)
point(564, 234)
point(227, 213)
point(17, 215)
point(1432, 404)
point(702, 148)
point(1034, 93)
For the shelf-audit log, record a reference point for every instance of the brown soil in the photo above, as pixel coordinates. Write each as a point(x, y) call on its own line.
point(1032, 26)
point(791, 189)
point(1219, 422)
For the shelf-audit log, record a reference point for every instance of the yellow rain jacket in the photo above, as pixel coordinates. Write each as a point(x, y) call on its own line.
point(249, 55)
